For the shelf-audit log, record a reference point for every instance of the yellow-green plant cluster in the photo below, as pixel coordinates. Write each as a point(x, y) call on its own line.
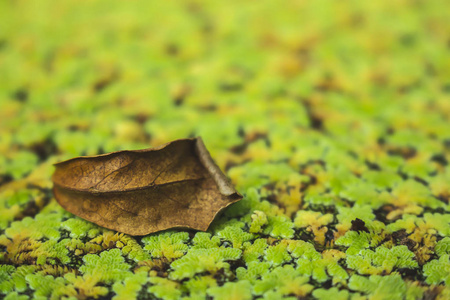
point(331, 118)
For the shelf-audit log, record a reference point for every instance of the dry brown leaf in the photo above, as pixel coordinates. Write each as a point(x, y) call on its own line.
point(144, 191)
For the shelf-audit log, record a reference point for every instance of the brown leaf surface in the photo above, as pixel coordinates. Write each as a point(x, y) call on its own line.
point(144, 191)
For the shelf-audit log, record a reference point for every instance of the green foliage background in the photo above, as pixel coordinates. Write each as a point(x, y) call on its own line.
point(320, 112)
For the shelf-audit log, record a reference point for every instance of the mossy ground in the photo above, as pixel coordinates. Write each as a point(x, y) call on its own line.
point(331, 118)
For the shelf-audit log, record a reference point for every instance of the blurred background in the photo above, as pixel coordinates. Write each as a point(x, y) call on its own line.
point(293, 79)
point(330, 117)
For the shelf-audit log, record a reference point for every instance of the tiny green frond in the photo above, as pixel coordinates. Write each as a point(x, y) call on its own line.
point(201, 260)
point(107, 267)
point(254, 251)
point(333, 293)
point(235, 235)
point(259, 219)
point(382, 260)
point(379, 287)
point(80, 228)
point(347, 214)
point(253, 272)
point(279, 227)
point(198, 285)
point(130, 287)
point(50, 287)
point(167, 244)
point(302, 249)
point(43, 225)
point(240, 290)
point(285, 280)
point(203, 240)
point(164, 288)
point(356, 241)
point(278, 254)
point(443, 247)
point(16, 296)
point(438, 271)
